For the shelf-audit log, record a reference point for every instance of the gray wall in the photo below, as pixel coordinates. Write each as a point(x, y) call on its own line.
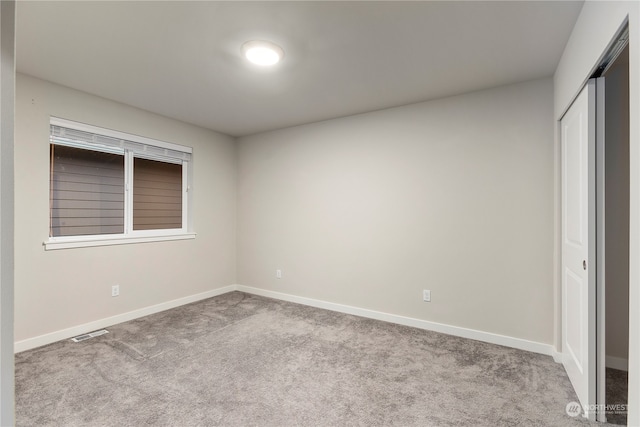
point(453, 195)
point(65, 288)
point(7, 94)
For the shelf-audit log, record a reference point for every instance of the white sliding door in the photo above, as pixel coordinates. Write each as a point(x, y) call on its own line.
point(578, 142)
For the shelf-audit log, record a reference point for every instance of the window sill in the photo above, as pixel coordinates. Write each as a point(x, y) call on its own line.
point(79, 242)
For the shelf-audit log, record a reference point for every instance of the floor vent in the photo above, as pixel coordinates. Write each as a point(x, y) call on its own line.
point(85, 337)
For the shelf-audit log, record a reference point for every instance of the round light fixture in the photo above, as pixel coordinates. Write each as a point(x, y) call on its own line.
point(262, 52)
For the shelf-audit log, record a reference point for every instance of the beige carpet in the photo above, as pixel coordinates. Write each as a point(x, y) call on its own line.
point(243, 360)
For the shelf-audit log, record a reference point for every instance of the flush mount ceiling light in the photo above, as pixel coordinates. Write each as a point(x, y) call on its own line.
point(262, 52)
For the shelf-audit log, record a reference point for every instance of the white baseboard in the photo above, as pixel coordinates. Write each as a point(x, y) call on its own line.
point(109, 321)
point(617, 363)
point(489, 337)
point(521, 344)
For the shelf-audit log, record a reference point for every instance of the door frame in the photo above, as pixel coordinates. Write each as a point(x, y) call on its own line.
point(600, 285)
point(616, 45)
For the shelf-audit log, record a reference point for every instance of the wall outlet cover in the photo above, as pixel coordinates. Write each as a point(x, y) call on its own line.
point(426, 295)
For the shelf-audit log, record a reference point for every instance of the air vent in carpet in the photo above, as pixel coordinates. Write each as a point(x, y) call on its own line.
point(85, 337)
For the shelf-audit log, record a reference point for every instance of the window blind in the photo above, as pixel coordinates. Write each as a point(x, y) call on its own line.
point(82, 139)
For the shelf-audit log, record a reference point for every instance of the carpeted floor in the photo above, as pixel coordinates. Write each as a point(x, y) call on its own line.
point(244, 360)
point(617, 387)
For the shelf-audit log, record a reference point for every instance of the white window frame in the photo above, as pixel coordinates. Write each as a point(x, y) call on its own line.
point(129, 235)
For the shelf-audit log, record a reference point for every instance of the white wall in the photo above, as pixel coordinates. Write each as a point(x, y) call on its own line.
point(453, 195)
point(595, 28)
point(60, 289)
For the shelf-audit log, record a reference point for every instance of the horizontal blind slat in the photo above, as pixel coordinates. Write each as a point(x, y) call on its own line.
point(87, 231)
point(81, 187)
point(156, 185)
point(93, 222)
point(85, 204)
point(88, 179)
point(88, 161)
point(142, 206)
point(75, 195)
point(70, 214)
point(159, 223)
point(157, 192)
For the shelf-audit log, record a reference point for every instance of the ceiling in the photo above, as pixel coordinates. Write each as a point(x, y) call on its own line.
point(182, 59)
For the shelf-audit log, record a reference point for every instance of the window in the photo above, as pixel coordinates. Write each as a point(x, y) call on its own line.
point(107, 187)
point(157, 195)
point(87, 192)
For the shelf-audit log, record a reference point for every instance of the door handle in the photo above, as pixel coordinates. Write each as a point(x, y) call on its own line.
point(584, 264)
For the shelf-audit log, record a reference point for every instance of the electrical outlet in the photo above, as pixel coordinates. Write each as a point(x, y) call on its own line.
point(115, 290)
point(426, 296)
point(278, 274)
